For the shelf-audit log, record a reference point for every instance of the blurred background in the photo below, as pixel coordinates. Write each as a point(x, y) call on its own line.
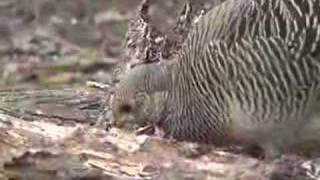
point(50, 43)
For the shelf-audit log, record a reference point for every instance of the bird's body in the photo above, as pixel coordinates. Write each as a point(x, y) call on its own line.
point(248, 73)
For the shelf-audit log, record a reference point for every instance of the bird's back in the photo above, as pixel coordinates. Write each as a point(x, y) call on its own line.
point(249, 68)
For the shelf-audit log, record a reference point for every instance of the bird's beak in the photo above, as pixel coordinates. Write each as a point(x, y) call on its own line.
point(125, 121)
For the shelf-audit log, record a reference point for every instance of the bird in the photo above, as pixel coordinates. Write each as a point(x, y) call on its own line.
point(248, 73)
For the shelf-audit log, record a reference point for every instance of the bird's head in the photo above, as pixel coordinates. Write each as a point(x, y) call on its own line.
point(138, 98)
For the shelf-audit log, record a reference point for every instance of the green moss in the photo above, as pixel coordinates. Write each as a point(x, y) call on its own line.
point(120, 28)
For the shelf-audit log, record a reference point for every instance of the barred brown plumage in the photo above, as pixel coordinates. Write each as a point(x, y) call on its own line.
point(248, 73)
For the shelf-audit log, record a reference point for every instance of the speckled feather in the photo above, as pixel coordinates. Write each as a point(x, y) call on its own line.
point(249, 72)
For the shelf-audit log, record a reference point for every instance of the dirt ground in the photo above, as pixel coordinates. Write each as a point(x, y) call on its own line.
point(65, 43)
point(58, 62)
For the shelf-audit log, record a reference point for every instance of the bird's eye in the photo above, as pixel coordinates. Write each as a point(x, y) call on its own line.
point(126, 108)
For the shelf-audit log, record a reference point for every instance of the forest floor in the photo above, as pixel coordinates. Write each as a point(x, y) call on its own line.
point(58, 63)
